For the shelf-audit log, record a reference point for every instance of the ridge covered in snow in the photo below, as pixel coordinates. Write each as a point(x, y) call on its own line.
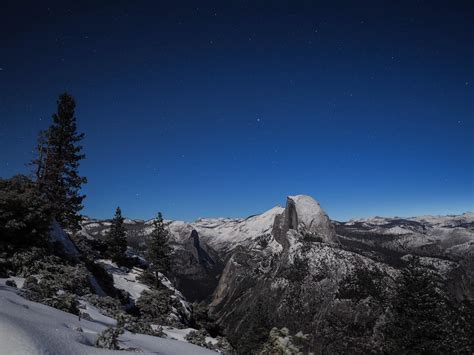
point(30, 328)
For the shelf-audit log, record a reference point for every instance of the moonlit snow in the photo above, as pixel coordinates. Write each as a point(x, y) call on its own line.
point(29, 328)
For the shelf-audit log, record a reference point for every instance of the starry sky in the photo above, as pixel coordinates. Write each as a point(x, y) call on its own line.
point(223, 108)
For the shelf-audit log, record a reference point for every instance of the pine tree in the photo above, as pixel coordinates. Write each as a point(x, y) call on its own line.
point(159, 250)
point(419, 314)
point(57, 164)
point(257, 329)
point(117, 238)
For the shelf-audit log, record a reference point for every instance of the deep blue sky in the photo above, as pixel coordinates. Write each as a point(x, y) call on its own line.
point(223, 108)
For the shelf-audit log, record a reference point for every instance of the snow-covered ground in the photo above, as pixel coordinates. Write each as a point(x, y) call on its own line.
point(226, 233)
point(31, 328)
point(128, 280)
point(125, 279)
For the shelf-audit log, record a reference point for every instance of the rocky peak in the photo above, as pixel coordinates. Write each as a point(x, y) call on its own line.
point(305, 215)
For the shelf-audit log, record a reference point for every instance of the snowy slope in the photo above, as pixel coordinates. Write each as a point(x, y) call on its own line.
point(128, 280)
point(31, 328)
point(225, 234)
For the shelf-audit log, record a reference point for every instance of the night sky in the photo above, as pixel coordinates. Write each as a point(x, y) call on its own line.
point(224, 108)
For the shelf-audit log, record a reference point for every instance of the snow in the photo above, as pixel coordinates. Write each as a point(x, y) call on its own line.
point(128, 280)
point(93, 225)
point(18, 280)
point(396, 230)
point(177, 334)
point(467, 217)
point(133, 221)
point(440, 221)
point(226, 233)
point(95, 314)
point(125, 279)
point(31, 328)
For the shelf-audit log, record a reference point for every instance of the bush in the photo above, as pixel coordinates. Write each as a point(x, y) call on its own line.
point(25, 215)
point(56, 285)
point(155, 305)
point(139, 326)
point(107, 305)
point(66, 302)
point(198, 337)
point(281, 342)
point(108, 339)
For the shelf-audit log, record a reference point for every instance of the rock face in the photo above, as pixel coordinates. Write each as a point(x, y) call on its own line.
point(196, 268)
point(305, 216)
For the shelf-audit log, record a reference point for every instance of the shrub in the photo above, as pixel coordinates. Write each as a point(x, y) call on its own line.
point(107, 305)
point(198, 337)
point(25, 215)
point(66, 302)
point(281, 342)
point(108, 339)
point(139, 326)
point(155, 305)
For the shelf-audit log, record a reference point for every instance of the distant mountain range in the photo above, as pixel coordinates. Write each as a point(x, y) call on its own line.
point(235, 263)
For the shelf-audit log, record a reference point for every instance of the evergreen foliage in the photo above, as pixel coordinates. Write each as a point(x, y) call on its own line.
point(421, 320)
point(364, 282)
point(159, 251)
point(25, 215)
point(155, 305)
point(108, 339)
point(57, 164)
point(280, 342)
point(117, 238)
point(257, 328)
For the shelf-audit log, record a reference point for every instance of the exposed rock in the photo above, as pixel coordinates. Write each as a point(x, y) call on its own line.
point(196, 268)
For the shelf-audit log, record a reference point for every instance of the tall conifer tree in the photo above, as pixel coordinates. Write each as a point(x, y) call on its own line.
point(117, 238)
point(159, 250)
point(57, 164)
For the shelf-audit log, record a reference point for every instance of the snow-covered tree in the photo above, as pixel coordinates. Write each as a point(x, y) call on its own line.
point(108, 339)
